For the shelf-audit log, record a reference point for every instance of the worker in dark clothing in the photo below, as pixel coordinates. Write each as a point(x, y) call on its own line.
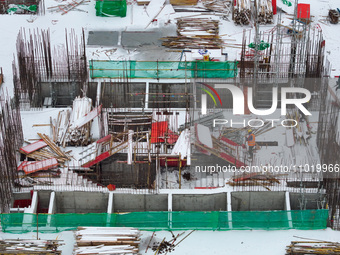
point(250, 138)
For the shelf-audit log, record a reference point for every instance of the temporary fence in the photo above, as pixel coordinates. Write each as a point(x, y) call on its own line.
point(163, 69)
point(181, 220)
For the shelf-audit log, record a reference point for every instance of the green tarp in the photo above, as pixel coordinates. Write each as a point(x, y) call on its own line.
point(108, 8)
point(13, 8)
point(215, 220)
point(162, 69)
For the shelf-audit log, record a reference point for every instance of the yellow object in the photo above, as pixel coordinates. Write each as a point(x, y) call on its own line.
point(249, 130)
point(206, 57)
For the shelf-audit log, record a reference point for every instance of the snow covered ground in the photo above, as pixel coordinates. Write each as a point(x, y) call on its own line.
point(256, 242)
point(200, 242)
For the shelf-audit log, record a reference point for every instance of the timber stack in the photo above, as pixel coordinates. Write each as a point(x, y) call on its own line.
point(183, 2)
point(107, 240)
point(220, 6)
point(195, 34)
point(242, 12)
point(313, 247)
point(23, 246)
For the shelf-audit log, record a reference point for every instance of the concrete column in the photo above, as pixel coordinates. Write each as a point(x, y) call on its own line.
point(170, 210)
point(229, 209)
point(170, 202)
point(110, 208)
point(52, 205)
point(147, 95)
point(34, 204)
point(288, 209)
point(130, 147)
point(99, 87)
point(29, 217)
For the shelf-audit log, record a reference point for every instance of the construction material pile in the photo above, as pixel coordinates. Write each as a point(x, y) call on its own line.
point(222, 6)
point(48, 247)
point(183, 2)
point(333, 16)
point(313, 247)
point(242, 12)
point(255, 179)
point(107, 240)
point(195, 34)
point(48, 156)
point(264, 11)
point(44, 149)
point(74, 127)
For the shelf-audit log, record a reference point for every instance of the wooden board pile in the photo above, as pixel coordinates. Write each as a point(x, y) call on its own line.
point(192, 27)
point(50, 150)
point(41, 247)
point(195, 34)
point(183, 2)
point(255, 179)
point(242, 12)
point(221, 6)
point(313, 247)
point(264, 11)
point(74, 127)
point(107, 240)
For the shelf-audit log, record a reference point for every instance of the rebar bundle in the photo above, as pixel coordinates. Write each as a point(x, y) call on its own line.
point(38, 62)
point(11, 138)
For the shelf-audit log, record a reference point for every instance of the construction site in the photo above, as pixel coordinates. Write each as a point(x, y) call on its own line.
point(143, 127)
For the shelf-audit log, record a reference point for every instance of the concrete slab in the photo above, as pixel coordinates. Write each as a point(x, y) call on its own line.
point(103, 38)
point(133, 39)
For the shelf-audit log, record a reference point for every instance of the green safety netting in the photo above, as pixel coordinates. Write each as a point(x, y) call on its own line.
point(162, 69)
point(13, 8)
point(108, 8)
point(262, 46)
point(215, 220)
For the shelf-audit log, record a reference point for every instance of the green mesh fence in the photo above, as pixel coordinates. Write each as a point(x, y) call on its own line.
point(162, 69)
point(108, 8)
point(266, 220)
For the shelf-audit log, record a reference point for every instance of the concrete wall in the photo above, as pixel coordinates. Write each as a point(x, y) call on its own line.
point(206, 202)
point(257, 201)
point(96, 202)
point(139, 203)
point(81, 202)
point(311, 200)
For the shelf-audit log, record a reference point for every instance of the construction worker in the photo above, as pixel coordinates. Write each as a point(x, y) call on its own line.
point(250, 138)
